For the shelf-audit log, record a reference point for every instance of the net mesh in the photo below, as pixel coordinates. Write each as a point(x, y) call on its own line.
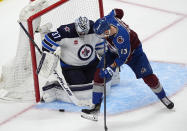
point(16, 81)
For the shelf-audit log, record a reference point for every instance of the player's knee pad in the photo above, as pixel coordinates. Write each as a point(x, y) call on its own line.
point(151, 80)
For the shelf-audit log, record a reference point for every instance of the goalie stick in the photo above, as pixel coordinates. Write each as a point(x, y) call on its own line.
point(59, 75)
point(41, 63)
point(35, 45)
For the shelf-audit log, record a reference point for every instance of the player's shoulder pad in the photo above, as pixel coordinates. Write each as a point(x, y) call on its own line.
point(67, 31)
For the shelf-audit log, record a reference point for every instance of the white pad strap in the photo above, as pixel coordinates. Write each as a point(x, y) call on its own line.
point(49, 93)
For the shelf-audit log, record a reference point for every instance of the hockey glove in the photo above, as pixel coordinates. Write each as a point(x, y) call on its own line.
point(107, 73)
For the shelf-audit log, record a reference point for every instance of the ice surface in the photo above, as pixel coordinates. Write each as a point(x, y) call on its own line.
point(161, 26)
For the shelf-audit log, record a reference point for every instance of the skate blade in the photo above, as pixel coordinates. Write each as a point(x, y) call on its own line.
point(90, 117)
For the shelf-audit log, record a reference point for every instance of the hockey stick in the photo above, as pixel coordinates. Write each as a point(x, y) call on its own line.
point(35, 45)
point(41, 63)
point(59, 75)
point(105, 125)
point(29, 36)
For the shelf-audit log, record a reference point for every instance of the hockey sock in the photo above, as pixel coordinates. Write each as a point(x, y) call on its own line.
point(153, 82)
point(97, 97)
point(161, 94)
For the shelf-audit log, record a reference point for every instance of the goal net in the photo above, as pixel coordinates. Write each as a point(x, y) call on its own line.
point(19, 80)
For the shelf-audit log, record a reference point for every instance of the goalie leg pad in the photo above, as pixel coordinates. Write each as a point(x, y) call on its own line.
point(49, 92)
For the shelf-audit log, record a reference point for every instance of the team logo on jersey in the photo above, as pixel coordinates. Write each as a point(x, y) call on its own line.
point(85, 52)
point(67, 29)
point(120, 39)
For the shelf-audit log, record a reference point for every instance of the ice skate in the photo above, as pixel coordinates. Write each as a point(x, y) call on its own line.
point(169, 104)
point(91, 114)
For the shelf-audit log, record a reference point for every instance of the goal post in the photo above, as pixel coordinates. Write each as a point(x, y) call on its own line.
point(33, 16)
point(32, 48)
point(30, 30)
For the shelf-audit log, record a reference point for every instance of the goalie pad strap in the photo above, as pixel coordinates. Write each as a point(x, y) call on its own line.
point(74, 88)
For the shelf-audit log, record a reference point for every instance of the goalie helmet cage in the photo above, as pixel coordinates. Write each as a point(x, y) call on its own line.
point(56, 12)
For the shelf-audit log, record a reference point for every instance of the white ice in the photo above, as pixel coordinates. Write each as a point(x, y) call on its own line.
point(162, 27)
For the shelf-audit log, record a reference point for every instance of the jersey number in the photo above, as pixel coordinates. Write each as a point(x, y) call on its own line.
point(56, 35)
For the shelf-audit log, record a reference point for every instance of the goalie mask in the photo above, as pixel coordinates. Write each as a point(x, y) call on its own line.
point(82, 26)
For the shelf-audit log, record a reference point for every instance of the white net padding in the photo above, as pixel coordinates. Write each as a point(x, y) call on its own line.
point(16, 82)
point(16, 78)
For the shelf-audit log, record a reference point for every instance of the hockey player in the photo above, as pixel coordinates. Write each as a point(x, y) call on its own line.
point(124, 48)
point(77, 43)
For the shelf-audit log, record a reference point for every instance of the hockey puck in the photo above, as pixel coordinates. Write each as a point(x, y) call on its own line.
point(61, 110)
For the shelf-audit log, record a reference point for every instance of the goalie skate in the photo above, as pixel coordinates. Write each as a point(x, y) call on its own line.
point(91, 114)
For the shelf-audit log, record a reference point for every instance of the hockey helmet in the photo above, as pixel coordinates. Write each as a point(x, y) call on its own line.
point(100, 26)
point(82, 25)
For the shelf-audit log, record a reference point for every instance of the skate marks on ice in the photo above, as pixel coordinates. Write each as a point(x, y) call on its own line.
point(132, 93)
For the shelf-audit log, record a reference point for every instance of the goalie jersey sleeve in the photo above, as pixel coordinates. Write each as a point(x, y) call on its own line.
point(52, 39)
